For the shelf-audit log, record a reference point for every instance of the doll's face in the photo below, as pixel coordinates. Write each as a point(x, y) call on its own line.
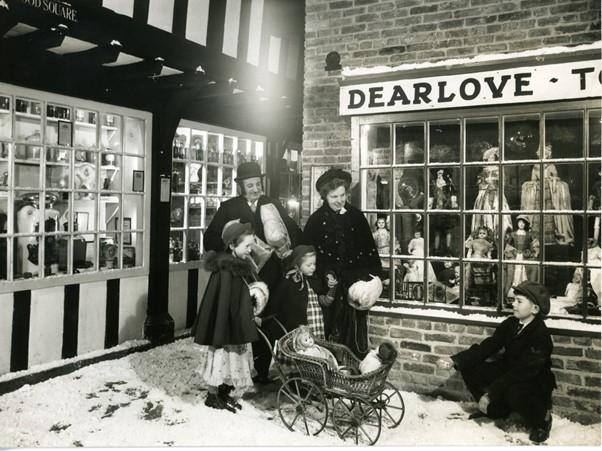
point(243, 248)
point(440, 174)
point(308, 265)
point(457, 271)
point(577, 277)
point(305, 340)
point(417, 234)
point(380, 224)
point(521, 224)
point(447, 264)
point(523, 308)
point(482, 234)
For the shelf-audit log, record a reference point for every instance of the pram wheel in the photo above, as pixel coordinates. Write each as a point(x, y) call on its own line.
point(391, 405)
point(302, 406)
point(356, 419)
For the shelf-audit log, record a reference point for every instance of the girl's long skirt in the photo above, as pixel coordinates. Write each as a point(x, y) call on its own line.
point(231, 365)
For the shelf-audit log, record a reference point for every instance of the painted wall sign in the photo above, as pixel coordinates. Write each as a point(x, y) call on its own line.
point(60, 9)
point(576, 80)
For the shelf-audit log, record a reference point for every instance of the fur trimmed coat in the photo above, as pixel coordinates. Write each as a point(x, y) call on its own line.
point(225, 316)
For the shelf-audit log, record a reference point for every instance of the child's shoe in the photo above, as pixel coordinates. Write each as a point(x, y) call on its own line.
point(215, 402)
point(223, 392)
point(541, 433)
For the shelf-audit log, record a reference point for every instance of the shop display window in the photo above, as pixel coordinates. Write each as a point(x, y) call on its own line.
point(472, 203)
point(204, 161)
point(66, 203)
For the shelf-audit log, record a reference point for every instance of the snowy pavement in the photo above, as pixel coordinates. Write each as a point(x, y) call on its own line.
point(153, 399)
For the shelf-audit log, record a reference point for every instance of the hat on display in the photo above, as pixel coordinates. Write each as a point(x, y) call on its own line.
point(331, 174)
point(536, 293)
point(248, 170)
point(298, 252)
point(233, 229)
point(523, 218)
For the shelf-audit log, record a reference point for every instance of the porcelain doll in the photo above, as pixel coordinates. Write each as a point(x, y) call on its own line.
point(443, 194)
point(521, 244)
point(480, 276)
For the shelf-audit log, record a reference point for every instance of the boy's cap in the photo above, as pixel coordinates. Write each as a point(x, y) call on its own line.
point(233, 229)
point(537, 293)
point(298, 252)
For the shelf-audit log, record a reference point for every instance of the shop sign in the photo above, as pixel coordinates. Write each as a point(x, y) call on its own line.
point(55, 7)
point(576, 80)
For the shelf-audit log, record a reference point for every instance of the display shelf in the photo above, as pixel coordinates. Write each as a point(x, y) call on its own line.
point(110, 128)
point(32, 162)
point(110, 167)
point(28, 115)
point(85, 124)
point(57, 163)
point(56, 119)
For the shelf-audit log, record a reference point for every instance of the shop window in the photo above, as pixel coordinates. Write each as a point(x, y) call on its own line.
point(66, 204)
point(464, 205)
point(204, 161)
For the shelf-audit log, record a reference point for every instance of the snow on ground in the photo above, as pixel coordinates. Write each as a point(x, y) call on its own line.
point(153, 399)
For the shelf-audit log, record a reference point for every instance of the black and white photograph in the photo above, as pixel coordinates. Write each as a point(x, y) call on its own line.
point(300, 223)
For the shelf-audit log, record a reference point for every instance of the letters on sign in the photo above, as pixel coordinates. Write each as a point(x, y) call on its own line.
point(60, 9)
point(575, 80)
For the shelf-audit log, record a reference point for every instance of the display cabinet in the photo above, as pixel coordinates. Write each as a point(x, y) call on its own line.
point(466, 204)
point(69, 203)
point(203, 172)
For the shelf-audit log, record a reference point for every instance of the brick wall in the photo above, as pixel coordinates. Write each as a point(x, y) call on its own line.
point(421, 342)
point(369, 33)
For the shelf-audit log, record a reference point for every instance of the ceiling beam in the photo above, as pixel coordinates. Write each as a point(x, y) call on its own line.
point(96, 56)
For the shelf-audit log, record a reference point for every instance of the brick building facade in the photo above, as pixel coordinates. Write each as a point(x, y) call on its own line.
point(369, 34)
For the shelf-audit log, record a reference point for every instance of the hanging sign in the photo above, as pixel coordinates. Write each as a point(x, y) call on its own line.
point(563, 81)
point(55, 7)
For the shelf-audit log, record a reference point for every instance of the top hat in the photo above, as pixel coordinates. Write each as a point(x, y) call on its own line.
point(248, 170)
point(333, 173)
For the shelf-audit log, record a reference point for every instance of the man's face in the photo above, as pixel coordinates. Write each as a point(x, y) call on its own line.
point(252, 188)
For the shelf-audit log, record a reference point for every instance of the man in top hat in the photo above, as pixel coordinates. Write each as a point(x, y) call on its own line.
point(247, 207)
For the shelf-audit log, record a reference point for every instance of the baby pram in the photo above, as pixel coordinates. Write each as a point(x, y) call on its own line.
point(358, 404)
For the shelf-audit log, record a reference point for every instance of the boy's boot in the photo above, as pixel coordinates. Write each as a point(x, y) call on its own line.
point(214, 401)
point(223, 392)
point(541, 433)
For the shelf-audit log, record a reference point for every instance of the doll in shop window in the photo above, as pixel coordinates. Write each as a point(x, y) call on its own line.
point(557, 229)
point(480, 277)
point(521, 244)
point(443, 195)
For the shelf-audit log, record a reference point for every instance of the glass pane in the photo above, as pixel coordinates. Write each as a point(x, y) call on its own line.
point(110, 132)
point(193, 245)
point(244, 150)
point(228, 157)
point(593, 231)
point(84, 172)
point(6, 124)
point(482, 139)
point(197, 145)
point(135, 254)
point(178, 178)
point(516, 273)
point(84, 253)
point(58, 170)
point(211, 205)
point(177, 211)
point(445, 235)
point(444, 142)
point(409, 143)
point(195, 211)
point(480, 284)
point(561, 243)
point(409, 188)
point(27, 172)
point(110, 212)
point(131, 164)
point(594, 191)
point(211, 179)
point(54, 114)
point(28, 120)
point(483, 193)
point(55, 254)
point(57, 212)
point(180, 143)
point(408, 229)
point(176, 240)
point(26, 257)
point(594, 286)
point(259, 154)
point(594, 133)
point(480, 241)
point(227, 186)
point(3, 213)
point(110, 172)
point(212, 148)
point(409, 286)
point(133, 209)
point(521, 138)
point(84, 215)
point(377, 183)
point(85, 129)
point(134, 136)
point(196, 178)
point(444, 188)
point(375, 141)
point(109, 252)
point(446, 289)
point(564, 134)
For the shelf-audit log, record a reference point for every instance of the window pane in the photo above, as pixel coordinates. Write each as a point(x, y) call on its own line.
point(561, 243)
point(110, 172)
point(178, 178)
point(409, 188)
point(212, 179)
point(134, 136)
point(213, 148)
point(176, 240)
point(177, 211)
point(521, 137)
point(228, 156)
point(131, 164)
point(444, 142)
point(444, 187)
point(482, 139)
point(180, 143)
point(594, 191)
point(480, 284)
point(54, 114)
point(27, 213)
point(564, 133)
point(84, 253)
point(195, 211)
point(84, 216)
point(3, 213)
point(196, 178)
point(109, 252)
point(259, 154)
point(445, 235)
point(409, 143)
point(6, 120)
point(408, 226)
point(193, 245)
point(26, 257)
point(483, 193)
point(57, 214)
point(58, 168)
point(408, 285)
point(211, 205)
point(446, 289)
point(84, 134)
point(110, 132)
point(377, 188)
point(27, 170)
point(227, 186)
point(84, 172)
point(594, 133)
point(110, 211)
point(28, 120)
point(244, 152)
point(133, 208)
point(197, 145)
point(480, 240)
point(375, 142)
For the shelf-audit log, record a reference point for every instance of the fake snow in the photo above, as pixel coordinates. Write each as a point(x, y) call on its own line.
point(351, 72)
point(153, 398)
